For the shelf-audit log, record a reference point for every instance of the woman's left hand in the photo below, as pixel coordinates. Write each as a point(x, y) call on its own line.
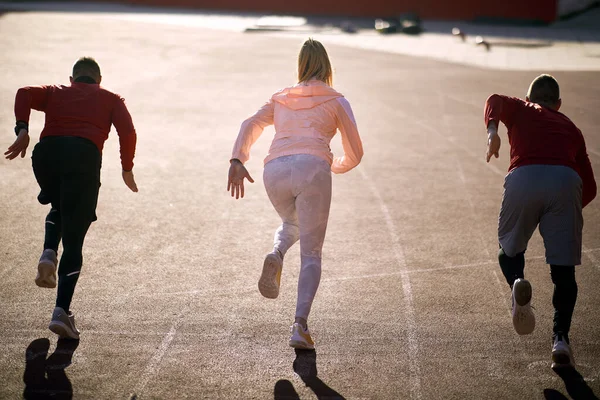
point(237, 173)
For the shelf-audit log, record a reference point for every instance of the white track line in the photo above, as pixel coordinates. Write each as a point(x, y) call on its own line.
point(479, 157)
point(154, 364)
point(18, 334)
point(459, 167)
point(592, 258)
point(463, 179)
point(594, 152)
point(502, 292)
point(414, 271)
point(230, 289)
point(6, 271)
point(411, 326)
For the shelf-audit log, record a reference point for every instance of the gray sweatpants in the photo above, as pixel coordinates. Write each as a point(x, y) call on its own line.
point(299, 187)
point(548, 196)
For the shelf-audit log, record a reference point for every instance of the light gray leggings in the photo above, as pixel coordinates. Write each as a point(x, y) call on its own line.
point(299, 187)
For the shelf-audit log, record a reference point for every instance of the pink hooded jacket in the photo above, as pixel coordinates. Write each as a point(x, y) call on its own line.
point(306, 116)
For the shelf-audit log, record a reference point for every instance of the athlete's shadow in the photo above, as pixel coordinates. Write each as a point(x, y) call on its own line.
point(46, 378)
point(576, 386)
point(305, 365)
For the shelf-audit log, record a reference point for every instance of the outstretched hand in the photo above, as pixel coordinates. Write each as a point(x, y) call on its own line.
point(19, 146)
point(493, 143)
point(493, 146)
point(130, 181)
point(235, 183)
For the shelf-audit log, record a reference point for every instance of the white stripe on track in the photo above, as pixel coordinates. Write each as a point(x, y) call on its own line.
point(592, 258)
point(409, 310)
point(414, 271)
point(479, 157)
point(503, 295)
point(7, 270)
point(594, 152)
point(154, 365)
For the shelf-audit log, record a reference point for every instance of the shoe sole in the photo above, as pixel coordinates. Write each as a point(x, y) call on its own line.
point(522, 292)
point(62, 330)
point(561, 360)
point(556, 365)
point(267, 284)
point(524, 321)
point(523, 317)
point(300, 344)
point(46, 277)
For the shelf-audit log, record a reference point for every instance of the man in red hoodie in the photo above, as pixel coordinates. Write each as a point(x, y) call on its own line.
point(66, 164)
point(550, 180)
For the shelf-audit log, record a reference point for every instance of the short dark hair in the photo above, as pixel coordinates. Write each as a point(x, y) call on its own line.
point(544, 89)
point(86, 66)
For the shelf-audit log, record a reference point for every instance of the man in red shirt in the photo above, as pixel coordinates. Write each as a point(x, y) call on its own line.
point(550, 180)
point(66, 164)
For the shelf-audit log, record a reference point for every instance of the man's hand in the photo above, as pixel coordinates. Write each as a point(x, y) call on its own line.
point(493, 143)
point(237, 173)
point(19, 146)
point(130, 180)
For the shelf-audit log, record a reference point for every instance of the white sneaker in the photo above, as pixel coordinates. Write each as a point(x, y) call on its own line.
point(46, 276)
point(63, 324)
point(300, 338)
point(269, 281)
point(562, 355)
point(522, 314)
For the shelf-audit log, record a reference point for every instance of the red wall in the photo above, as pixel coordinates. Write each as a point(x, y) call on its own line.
point(540, 10)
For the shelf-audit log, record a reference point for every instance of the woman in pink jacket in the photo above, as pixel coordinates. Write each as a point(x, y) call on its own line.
point(297, 172)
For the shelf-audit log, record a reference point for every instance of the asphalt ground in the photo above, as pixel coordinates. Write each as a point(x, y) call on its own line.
point(412, 304)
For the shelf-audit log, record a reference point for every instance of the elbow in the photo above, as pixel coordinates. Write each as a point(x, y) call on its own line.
point(352, 162)
point(589, 195)
point(593, 192)
point(493, 99)
point(492, 109)
point(357, 156)
point(23, 96)
point(23, 91)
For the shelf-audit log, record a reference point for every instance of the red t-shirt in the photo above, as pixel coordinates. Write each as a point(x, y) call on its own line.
point(81, 109)
point(540, 135)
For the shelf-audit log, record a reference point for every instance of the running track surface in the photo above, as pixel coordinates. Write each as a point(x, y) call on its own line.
point(412, 304)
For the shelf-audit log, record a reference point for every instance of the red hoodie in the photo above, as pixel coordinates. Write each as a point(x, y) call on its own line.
point(540, 135)
point(81, 109)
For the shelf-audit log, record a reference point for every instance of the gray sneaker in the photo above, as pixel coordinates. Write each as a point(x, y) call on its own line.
point(562, 355)
point(63, 324)
point(46, 276)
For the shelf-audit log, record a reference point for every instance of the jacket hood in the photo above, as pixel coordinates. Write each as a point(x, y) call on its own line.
point(306, 95)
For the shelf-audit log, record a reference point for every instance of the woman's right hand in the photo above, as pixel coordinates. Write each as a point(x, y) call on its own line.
point(237, 173)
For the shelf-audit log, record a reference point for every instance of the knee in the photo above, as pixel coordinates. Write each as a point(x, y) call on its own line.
point(312, 258)
point(70, 261)
point(310, 262)
point(517, 261)
point(563, 275)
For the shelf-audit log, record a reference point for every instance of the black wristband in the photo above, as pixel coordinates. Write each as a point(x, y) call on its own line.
point(21, 125)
